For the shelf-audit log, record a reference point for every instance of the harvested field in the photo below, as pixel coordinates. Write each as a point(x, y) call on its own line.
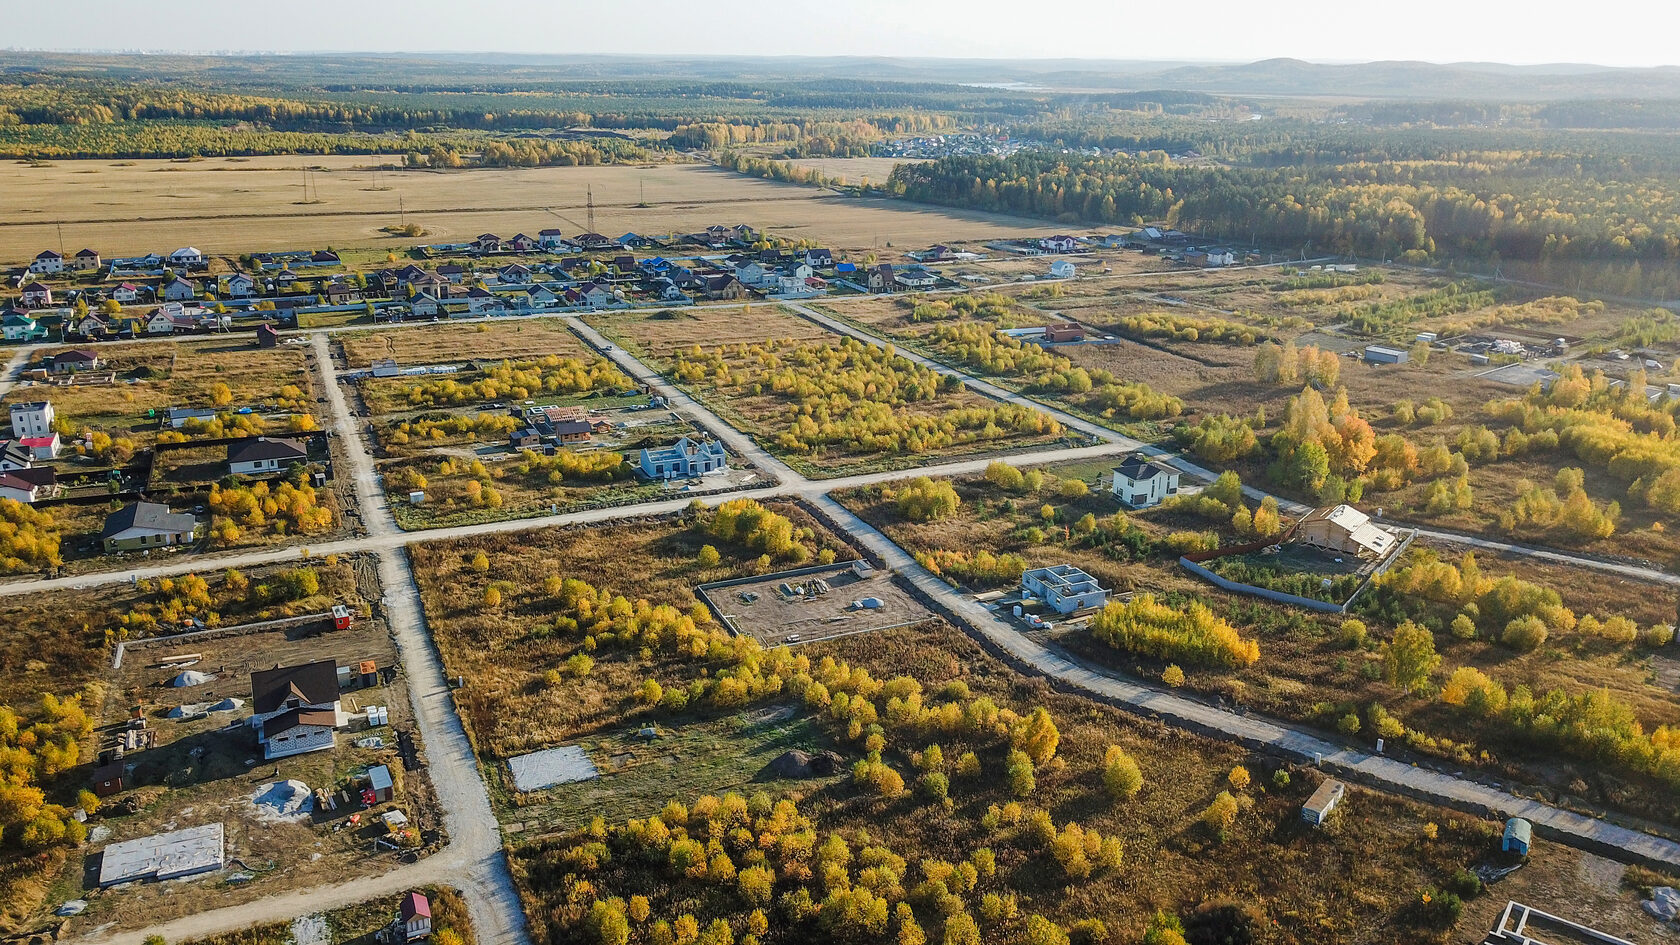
point(656, 338)
point(441, 343)
point(230, 207)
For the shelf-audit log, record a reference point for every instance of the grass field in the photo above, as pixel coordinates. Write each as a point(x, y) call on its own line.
point(430, 344)
point(227, 207)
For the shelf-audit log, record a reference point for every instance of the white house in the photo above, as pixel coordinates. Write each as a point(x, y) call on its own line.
point(32, 419)
point(414, 918)
point(1061, 269)
point(751, 273)
point(42, 447)
point(1058, 244)
point(19, 327)
point(1140, 482)
point(684, 459)
point(126, 292)
point(188, 256)
point(1064, 588)
point(18, 489)
point(552, 239)
point(295, 709)
point(143, 526)
point(425, 306)
point(261, 455)
point(482, 301)
point(46, 263)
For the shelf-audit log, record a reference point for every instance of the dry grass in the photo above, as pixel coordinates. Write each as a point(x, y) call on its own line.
point(504, 651)
point(430, 344)
point(656, 338)
point(229, 208)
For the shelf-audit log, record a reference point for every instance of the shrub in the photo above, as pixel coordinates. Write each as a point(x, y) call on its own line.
point(1143, 625)
point(925, 500)
point(1121, 776)
point(1221, 813)
point(1524, 634)
point(1238, 778)
point(1173, 676)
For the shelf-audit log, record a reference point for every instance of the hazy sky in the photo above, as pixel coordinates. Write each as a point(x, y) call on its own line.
point(1609, 32)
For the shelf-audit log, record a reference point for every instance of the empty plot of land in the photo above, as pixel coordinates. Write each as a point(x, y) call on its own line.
point(234, 206)
point(814, 606)
point(709, 327)
point(431, 344)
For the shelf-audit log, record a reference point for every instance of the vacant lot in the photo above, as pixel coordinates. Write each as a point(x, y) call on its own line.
point(442, 343)
point(656, 336)
point(791, 609)
point(829, 405)
point(227, 207)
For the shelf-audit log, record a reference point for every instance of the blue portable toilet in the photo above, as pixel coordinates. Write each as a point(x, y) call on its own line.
point(1519, 834)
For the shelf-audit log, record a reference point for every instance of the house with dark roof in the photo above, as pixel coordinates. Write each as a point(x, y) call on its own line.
point(36, 295)
point(261, 455)
point(18, 489)
point(47, 262)
point(14, 455)
point(146, 525)
point(295, 709)
point(85, 259)
point(1141, 482)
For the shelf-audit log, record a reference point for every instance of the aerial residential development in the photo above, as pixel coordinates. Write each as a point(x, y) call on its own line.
point(502, 499)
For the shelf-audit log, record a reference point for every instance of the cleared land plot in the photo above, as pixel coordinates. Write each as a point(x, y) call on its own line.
point(828, 406)
point(657, 338)
point(444, 343)
point(763, 610)
point(230, 207)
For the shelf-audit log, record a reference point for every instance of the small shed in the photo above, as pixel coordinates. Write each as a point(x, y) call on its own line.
point(1519, 835)
point(416, 917)
point(108, 779)
point(1381, 354)
point(341, 617)
point(267, 337)
point(380, 784)
point(1322, 802)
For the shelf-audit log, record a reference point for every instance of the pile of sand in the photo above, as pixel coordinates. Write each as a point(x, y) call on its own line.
point(284, 800)
point(191, 677)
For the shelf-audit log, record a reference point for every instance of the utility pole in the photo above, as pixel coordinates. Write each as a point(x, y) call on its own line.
point(402, 214)
point(60, 226)
point(591, 207)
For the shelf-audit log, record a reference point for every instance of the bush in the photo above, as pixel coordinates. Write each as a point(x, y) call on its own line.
point(1221, 813)
point(1524, 634)
point(1121, 776)
point(925, 500)
point(1173, 676)
point(1143, 625)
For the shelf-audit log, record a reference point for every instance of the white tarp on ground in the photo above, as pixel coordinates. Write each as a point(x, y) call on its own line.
point(284, 800)
point(163, 856)
point(541, 769)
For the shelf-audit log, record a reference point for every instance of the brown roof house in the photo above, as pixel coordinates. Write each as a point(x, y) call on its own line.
point(295, 709)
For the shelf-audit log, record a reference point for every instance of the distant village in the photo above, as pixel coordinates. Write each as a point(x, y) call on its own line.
point(86, 297)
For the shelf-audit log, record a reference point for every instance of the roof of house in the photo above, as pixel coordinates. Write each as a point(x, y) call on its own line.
point(37, 475)
point(566, 427)
point(87, 252)
point(260, 448)
point(1355, 523)
point(37, 441)
point(154, 516)
point(15, 452)
point(416, 905)
point(295, 717)
point(187, 251)
point(31, 405)
point(312, 683)
point(9, 481)
point(1138, 468)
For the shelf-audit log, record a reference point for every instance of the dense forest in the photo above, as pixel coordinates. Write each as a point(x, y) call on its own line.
point(1525, 206)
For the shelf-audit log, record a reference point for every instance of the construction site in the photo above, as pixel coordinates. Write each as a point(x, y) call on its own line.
point(815, 603)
